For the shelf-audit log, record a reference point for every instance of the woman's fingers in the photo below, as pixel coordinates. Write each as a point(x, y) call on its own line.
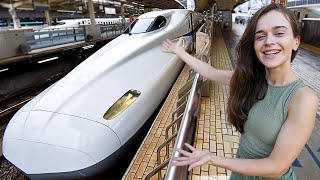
point(180, 158)
point(196, 164)
point(165, 44)
point(183, 152)
point(190, 147)
point(180, 163)
point(168, 41)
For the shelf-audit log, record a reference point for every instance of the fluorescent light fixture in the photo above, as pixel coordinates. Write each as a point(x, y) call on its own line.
point(26, 9)
point(47, 60)
point(6, 69)
point(88, 47)
point(66, 11)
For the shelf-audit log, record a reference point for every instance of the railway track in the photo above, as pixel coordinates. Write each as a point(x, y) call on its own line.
point(9, 105)
point(12, 103)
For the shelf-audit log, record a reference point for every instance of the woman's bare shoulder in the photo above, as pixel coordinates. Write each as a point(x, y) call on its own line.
point(306, 94)
point(305, 100)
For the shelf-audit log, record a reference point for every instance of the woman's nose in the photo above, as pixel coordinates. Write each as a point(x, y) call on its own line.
point(269, 40)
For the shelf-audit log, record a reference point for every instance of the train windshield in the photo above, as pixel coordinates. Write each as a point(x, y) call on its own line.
point(145, 25)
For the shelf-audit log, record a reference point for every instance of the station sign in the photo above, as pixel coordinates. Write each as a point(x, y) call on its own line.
point(109, 10)
point(40, 6)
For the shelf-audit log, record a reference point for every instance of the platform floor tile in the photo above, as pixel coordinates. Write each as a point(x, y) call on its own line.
point(146, 157)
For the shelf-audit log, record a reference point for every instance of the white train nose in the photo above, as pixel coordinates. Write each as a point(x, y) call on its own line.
point(46, 142)
point(39, 158)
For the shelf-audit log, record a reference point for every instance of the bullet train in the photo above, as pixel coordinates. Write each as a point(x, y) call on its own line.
point(82, 125)
point(76, 23)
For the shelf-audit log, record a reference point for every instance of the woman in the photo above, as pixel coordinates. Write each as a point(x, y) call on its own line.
point(274, 111)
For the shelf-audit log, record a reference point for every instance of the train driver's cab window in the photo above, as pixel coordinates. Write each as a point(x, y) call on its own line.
point(143, 25)
point(158, 23)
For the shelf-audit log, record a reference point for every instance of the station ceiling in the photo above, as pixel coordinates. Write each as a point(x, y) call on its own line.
point(73, 5)
point(222, 5)
point(133, 7)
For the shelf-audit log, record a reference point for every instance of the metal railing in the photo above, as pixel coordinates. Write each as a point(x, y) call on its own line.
point(53, 37)
point(180, 127)
point(187, 126)
point(46, 38)
point(302, 2)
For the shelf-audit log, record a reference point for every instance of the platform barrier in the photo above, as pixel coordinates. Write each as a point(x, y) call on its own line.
point(52, 37)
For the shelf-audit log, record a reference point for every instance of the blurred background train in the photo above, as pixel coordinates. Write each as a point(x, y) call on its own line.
point(76, 23)
point(307, 12)
point(86, 122)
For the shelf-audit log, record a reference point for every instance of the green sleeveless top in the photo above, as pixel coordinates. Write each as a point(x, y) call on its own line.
point(263, 125)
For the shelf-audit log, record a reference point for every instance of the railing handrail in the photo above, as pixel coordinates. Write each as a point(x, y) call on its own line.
point(187, 123)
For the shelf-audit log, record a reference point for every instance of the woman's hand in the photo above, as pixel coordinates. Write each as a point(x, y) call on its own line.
point(170, 47)
point(193, 159)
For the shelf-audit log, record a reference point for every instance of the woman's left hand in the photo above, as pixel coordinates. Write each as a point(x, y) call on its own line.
point(193, 159)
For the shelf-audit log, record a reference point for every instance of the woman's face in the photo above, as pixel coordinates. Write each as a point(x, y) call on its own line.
point(274, 41)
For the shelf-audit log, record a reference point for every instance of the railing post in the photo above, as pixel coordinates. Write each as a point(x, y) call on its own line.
point(188, 123)
point(74, 33)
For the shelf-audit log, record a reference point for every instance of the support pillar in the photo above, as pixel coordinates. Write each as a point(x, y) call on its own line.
point(16, 21)
point(8, 22)
point(226, 20)
point(46, 12)
point(123, 16)
point(91, 12)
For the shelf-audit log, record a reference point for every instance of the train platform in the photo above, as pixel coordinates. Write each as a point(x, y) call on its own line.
point(212, 130)
point(44, 47)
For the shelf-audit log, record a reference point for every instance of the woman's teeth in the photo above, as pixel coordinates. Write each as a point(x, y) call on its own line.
point(271, 52)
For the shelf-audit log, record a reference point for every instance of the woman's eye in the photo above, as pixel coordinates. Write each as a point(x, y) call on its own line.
point(260, 37)
point(279, 33)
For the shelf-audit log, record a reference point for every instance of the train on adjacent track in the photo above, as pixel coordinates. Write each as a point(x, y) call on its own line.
point(77, 23)
point(83, 124)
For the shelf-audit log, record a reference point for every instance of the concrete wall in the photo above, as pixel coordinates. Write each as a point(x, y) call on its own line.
point(310, 32)
point(92, 32)
point(13, 42)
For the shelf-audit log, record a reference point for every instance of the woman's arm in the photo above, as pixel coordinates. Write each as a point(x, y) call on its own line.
point(220, 76)
point(292, 137)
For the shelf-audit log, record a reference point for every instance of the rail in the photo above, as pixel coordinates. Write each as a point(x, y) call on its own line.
point(187, 106)
point(183, 121)
point(188, 123)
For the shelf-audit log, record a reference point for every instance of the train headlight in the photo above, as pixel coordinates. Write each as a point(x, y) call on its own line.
point(121, 104)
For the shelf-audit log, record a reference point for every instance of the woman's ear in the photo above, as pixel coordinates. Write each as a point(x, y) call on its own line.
point(297, 43)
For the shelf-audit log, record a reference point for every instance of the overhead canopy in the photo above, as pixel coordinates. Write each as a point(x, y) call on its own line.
point(162, 4)
point(74, 5)
point(222, 5)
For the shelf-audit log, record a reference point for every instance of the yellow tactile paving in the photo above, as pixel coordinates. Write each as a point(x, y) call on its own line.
point(146, 157)
point(213, 132)
point(311, 48)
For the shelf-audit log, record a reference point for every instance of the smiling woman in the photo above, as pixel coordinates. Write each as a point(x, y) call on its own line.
point(268, 104)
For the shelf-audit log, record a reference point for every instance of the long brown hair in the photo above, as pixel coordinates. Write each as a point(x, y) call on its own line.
point(248, 84)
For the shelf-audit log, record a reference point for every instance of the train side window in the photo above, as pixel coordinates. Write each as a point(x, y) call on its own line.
point(159, 22)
